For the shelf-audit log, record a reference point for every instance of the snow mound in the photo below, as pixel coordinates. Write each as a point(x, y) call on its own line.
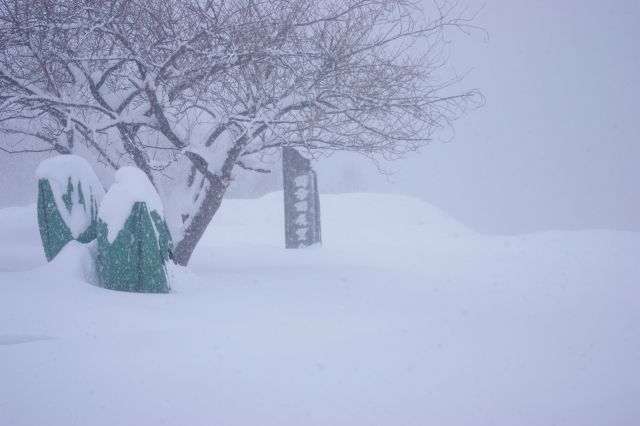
point(20, 244)
point(71, 171)
point(386, 220)
point(76, 262)
point(348, 220)
point(131, 185)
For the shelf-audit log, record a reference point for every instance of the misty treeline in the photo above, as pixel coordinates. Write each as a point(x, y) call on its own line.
point(193, 89)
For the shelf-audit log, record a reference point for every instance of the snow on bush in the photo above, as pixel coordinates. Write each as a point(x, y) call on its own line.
point(68, 196)
point(134, 243)
point(131, 185)
point(76, 190)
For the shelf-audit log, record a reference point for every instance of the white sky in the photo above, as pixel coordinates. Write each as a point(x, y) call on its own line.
point(556, 145)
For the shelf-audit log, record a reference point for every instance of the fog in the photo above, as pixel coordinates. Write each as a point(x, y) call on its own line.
point(554, 147)
point(556, 144)
point(441, 304)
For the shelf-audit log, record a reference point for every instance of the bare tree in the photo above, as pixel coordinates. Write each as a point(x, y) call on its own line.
point(212, 86)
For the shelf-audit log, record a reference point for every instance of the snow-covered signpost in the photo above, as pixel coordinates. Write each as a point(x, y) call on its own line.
point(69, 193)
point(301, 201)
point(134, 242)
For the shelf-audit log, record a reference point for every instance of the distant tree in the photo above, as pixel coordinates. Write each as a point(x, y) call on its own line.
point(207, 86)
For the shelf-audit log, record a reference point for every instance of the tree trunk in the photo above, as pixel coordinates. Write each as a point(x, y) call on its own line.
point(194, 231)
point(212, 199)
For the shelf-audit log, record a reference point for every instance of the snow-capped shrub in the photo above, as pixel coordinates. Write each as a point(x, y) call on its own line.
point(69, 193)
point(134, 242)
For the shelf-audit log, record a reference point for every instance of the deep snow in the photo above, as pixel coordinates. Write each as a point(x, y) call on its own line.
point(404, 317)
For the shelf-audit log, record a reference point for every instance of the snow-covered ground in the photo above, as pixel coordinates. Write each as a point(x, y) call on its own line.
point(404, 317)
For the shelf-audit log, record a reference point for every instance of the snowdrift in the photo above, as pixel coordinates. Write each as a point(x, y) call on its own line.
point(403, 317)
